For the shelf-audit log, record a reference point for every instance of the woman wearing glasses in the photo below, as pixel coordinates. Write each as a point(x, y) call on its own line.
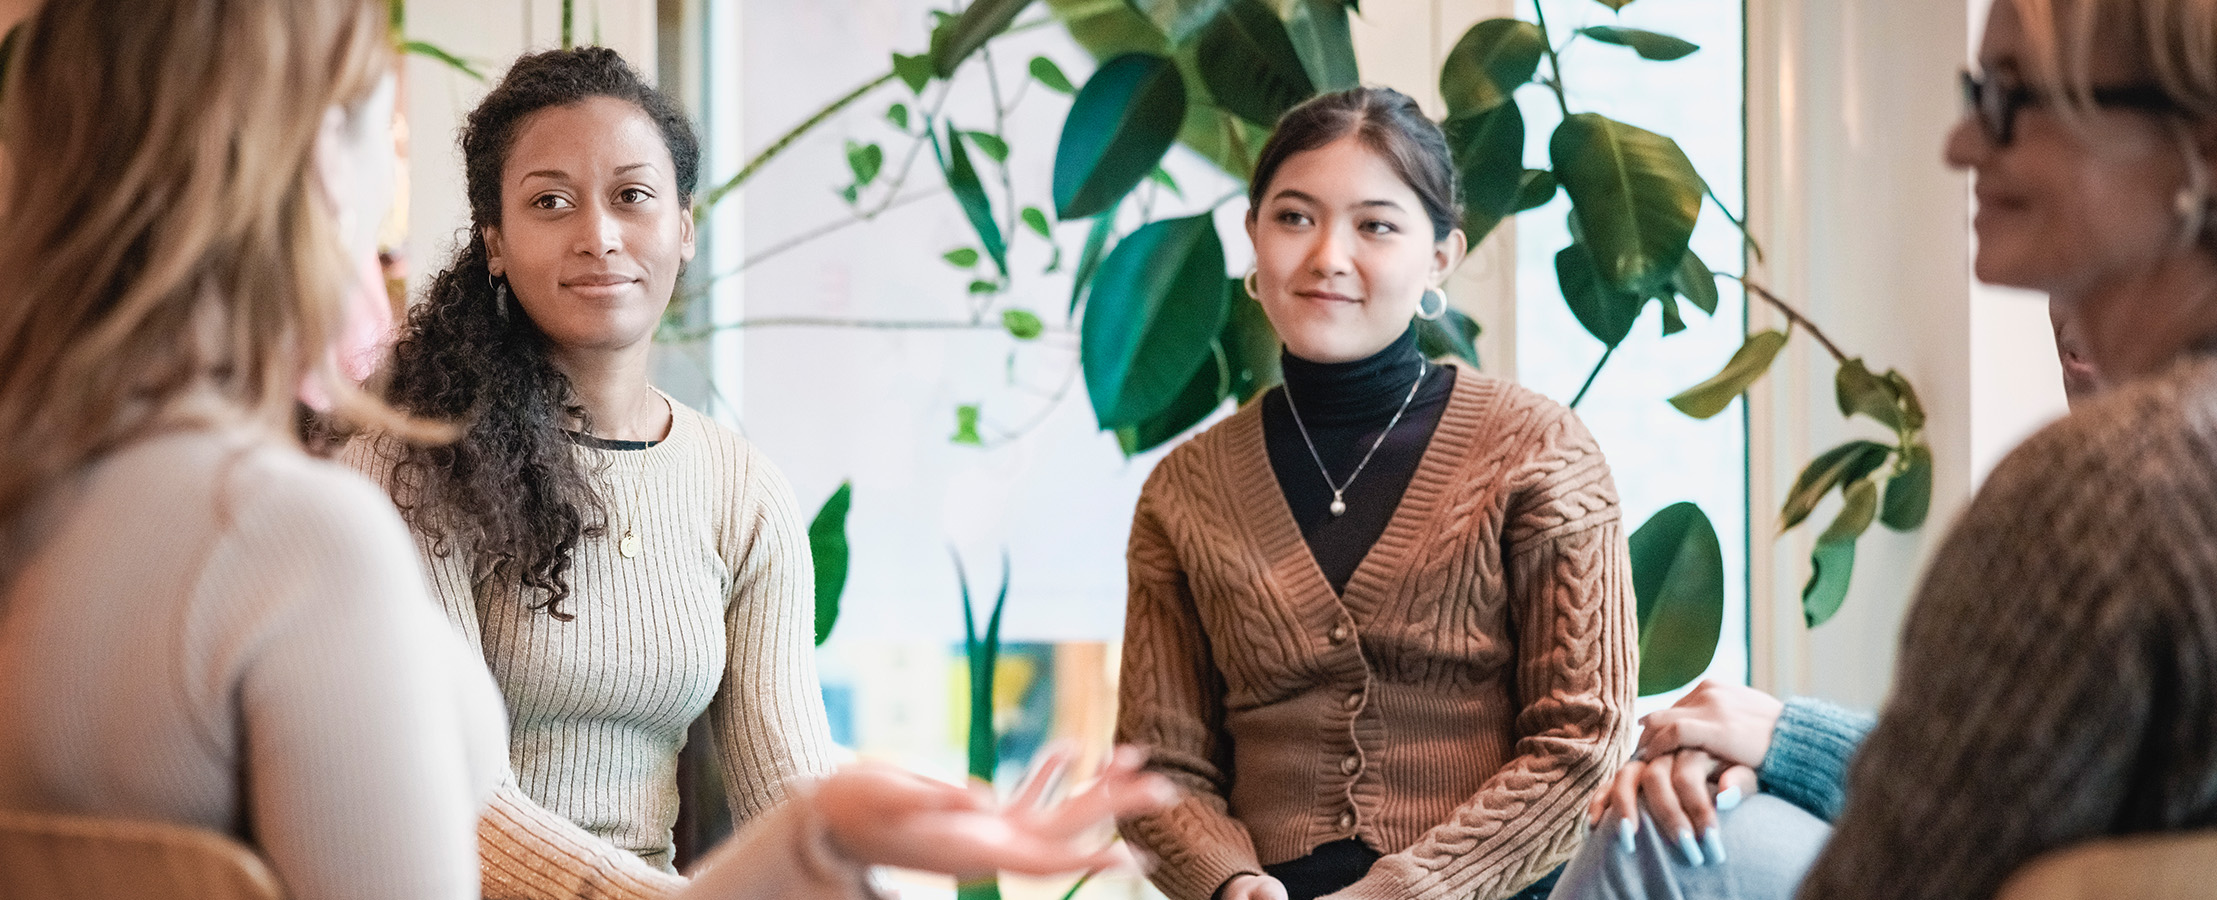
point(2058, 673)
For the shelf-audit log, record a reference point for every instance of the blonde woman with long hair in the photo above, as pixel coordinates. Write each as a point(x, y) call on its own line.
point(199, 624)
point(2057, 681)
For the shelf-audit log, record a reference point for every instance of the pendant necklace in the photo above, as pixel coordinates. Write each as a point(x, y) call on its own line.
point(1339, 491)
point(628, 545)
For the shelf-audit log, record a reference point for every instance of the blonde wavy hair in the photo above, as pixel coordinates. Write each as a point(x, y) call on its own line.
point(2176, 38)
point(169, 238)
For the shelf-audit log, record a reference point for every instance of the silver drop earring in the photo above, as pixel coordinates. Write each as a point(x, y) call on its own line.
point(500, 295)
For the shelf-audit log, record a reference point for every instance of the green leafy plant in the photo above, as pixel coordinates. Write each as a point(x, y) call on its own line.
point(1165, 337)
point(827, 548)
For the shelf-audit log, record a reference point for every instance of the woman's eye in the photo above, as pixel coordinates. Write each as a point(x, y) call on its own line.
point(1375, 226)
point(1289, 217)
point(550, 201)
point(634, 195)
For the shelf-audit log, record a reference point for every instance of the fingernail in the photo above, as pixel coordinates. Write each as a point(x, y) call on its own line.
point(1626, 830)
point(1712, 843)
point(1687, 848)
point(1728, 798)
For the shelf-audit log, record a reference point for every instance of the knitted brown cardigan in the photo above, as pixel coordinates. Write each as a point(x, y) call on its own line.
point(1453, 710)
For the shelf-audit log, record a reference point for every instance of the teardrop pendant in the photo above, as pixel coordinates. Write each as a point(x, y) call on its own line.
point(628, 545)
point(1339, 506)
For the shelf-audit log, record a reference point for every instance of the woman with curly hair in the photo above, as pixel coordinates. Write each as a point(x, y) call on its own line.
point(625, 564)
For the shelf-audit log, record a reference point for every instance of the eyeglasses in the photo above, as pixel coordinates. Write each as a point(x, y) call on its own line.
point(1996, 99)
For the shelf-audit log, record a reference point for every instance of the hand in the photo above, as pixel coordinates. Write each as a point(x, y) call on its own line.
point(1731, 722)
point(1682, 793)
point(1253, 887)
point(880, 814)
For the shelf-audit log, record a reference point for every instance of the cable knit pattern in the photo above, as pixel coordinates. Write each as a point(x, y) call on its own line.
point(1454, 710)
point(2058, 672)
point(715, 616)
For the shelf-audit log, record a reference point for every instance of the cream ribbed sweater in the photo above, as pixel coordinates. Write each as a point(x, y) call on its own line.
point(215, 630)
point(715, 616)
point(1453, 710)
point(2058, 672)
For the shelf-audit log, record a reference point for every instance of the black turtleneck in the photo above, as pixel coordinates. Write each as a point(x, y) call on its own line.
point(1345, 406)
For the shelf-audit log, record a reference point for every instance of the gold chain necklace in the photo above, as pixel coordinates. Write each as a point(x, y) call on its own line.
point(629, 544)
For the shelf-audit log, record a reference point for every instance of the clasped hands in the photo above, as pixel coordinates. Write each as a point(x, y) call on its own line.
point(1693, 758)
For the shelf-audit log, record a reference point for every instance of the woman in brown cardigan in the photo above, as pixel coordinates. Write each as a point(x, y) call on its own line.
point(1380, 625)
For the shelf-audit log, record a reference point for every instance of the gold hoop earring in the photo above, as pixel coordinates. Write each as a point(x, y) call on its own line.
point(1254, 291)
point(1431, 292)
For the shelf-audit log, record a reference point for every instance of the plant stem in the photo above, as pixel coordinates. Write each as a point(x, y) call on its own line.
point(1792, 316)
point(1736, 221)
point(1590, 376)
point(695, 334)
point(1554, 62)
point(780, 145)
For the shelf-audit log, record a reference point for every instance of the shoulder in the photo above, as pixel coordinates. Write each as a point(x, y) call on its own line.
point(727, 455)
point(1232, 443)
point(1506, 410)
point(2153, 440)
point(316, 512)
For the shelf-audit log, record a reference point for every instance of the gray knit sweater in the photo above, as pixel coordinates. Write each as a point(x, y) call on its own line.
point(2058, 671)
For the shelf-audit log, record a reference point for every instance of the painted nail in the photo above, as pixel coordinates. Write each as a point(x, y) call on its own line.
point(1712, 843)
point(1728, 798)
point(1687, 848)
point(1626, 830)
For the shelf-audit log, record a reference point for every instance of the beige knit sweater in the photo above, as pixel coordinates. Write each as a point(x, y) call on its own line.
point(2058, 672)
point(715, 615)
point(1453, 710)
point(215, 630)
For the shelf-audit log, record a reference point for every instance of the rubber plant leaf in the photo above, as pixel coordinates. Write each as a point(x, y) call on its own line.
point(1156, 308)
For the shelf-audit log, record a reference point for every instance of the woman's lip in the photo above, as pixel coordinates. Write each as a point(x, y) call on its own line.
point(1325, 295)
point(591, 281)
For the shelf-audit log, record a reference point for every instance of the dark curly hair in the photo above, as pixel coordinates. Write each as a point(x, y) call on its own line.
point(510, 490)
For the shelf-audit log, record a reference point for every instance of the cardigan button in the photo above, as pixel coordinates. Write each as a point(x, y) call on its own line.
point(1354, 702)
point(1339, 633)
point(1347, 821)
point(1352, 764)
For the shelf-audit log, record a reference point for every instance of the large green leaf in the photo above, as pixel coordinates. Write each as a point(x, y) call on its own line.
point(1249, 65)
point(1909, 492)
point(1489, 63)
point(1606, 312)
point(983, 21)
point(1321, 36)
point(1747, 364)
point(1636, 195)
point(827, 547)
point(1202, 394)
point(1678, 578)
point(1649, 44)
point(424, 49)
point(962, 179)
point(1452, 334)
point(1180, 20)
point(1111, 28)
point(1250, 344)
point(1845, 464)
point(1833, 560)
point(1156, 306)
point(1488, 148)
point(1120, 125)
point(1912, 409)
point(1535, 189)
